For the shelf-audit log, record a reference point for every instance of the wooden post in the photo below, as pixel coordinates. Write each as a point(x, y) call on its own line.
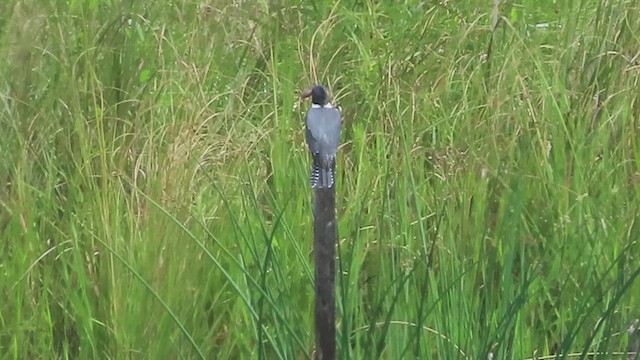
point(324, 250)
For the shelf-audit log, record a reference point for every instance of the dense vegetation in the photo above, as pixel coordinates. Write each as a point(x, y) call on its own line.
point(154, 198)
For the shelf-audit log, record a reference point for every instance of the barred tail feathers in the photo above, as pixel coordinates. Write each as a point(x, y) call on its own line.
point(323, 172)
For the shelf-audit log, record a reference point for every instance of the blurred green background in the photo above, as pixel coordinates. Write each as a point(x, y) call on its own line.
point(154, 198)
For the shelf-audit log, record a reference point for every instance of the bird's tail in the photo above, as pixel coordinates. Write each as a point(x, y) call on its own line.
point(323, 172)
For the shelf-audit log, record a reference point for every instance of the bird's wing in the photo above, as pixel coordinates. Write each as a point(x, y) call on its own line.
point(334, 123)
point(323, 129)
point(314, 145)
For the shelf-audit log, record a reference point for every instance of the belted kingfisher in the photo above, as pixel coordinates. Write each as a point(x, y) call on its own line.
point(323, 136)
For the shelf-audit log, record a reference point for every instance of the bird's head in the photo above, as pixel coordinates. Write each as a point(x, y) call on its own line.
point(319, 95)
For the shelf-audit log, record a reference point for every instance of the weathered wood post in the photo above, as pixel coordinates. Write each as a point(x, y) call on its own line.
point(324, 250)
point(324, 124)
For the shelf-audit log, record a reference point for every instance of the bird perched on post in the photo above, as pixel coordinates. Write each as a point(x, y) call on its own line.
point(323, 136)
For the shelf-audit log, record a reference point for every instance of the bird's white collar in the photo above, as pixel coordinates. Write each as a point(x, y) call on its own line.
point(316, 106)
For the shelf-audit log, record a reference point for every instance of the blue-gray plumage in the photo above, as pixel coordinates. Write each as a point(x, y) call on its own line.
point(323, 137)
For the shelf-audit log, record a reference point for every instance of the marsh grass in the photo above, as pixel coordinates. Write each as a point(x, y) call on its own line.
point(154, 198)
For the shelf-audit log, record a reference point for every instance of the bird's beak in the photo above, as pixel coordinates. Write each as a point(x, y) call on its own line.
point(305, 94)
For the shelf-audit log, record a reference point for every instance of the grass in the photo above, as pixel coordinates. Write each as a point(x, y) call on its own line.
point(153, 178)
